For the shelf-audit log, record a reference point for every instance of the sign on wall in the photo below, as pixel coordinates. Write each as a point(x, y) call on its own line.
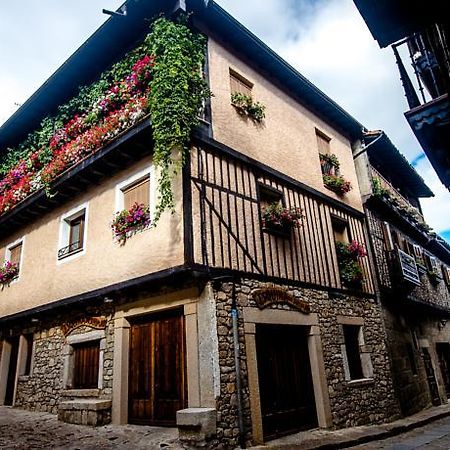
point(408, 268)
point(276, 295)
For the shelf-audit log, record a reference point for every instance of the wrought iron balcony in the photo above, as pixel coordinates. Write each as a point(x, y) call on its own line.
point(70, 249)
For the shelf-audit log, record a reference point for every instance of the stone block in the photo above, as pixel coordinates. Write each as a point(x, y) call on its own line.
point(196, 424)
point(91, 412)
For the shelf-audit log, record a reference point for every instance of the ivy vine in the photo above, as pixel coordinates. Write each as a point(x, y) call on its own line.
point(177, 94)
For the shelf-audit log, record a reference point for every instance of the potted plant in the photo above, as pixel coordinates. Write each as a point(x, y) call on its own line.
point(337, 183)
point(348, 260)
point(245, 106)
point(329, 163)
point(129, 221)
point(434, 277)
point(276, 218)
point(8, 272)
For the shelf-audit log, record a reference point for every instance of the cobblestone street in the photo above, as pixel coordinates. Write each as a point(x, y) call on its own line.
point(434, 436)
point(26, 430)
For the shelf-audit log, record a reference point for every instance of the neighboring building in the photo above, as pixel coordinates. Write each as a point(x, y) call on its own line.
point(97, 331)
point(413, 268)
point(423, 30)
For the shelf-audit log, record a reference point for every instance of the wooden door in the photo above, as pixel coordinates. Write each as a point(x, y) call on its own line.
point(285, 380)
point(431, 379)
point(443, 352)
point(157, 375)
point(12, 370)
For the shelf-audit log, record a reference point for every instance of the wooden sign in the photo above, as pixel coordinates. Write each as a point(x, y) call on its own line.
point(98, 323)
point(276, 295)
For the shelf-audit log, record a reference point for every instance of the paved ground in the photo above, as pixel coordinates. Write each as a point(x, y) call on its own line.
point(23, 430)
point(434, 436)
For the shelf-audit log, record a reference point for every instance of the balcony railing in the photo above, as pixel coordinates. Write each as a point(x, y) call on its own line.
point(70, 249)
point(430, 59)
point(383, 186)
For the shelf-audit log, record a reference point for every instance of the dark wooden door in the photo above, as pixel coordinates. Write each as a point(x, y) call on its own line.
point(431, 379)
point(285, 381)
point(12, 370)
point(157, 378)
point(443, 352)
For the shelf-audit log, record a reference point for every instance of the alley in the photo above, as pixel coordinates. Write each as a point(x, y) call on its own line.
point(24, 430)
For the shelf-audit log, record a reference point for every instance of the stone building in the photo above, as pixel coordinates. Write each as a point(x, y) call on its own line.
point(248, 312)
point(413, 270)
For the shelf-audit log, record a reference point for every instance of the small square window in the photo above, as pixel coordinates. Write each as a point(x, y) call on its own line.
point(14, 254)
point(86, 365)
point(269, 195)
point(340, 230)
point(239, 84)
point(72, 233)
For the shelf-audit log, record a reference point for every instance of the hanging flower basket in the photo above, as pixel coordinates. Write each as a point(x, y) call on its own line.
point(337, 183)
point(280, 220)
point(348, 259)
point(129, 221)
point(8, 273)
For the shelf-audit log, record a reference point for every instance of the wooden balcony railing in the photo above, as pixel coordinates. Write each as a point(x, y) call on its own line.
point(228, 231)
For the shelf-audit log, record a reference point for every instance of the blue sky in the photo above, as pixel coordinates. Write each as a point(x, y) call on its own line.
point(326, 40)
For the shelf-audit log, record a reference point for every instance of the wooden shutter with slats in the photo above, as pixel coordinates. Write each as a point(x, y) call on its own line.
point(138, 192)
point(239, 85)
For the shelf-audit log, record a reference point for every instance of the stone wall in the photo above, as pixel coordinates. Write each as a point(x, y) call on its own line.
point(352, 404)
point(42, 390)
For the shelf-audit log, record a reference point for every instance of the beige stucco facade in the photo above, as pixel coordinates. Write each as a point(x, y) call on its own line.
point(44, 279)
point(286, 140)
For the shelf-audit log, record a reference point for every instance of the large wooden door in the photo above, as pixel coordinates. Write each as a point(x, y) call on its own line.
point(285, 381)
point(157, 375)
point(431, 379)
point(443, 353)
point(12, 370)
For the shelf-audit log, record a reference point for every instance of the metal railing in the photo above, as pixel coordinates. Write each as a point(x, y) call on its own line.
point(430, 59)
point(70, 249)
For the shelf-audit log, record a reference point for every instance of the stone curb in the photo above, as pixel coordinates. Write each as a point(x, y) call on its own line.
point(362, 435)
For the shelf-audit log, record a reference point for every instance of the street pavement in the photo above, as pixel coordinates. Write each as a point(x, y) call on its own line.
point(24, 430)
point(434, 436)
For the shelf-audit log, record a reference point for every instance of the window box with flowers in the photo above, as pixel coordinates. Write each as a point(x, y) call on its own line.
point(279, 220)
point(8, 273)
point(350, 270)
point(332, 179)
point(245, 106)
point(130, 221)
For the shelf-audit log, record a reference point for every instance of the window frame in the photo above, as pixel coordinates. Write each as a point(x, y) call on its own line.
point(65, 232)
point(242, 80)
point(148, 171)
point(8, 248)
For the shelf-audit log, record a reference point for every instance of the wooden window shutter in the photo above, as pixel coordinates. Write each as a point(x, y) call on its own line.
point(86, 365)
point(138, 192)
point(323, 143)
point(446, 274)
point(434, 264)
point(418, 251)
point(15, 253)
point(238, 84)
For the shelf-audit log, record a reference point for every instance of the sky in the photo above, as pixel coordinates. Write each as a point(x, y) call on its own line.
point(326, 40)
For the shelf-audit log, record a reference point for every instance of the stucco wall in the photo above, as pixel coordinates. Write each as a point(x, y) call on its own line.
point(286, 140)
point(105, 262)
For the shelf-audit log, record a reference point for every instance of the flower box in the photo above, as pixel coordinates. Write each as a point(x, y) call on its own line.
point(337, 183)
point(130, 221)
point(278, 220)
point(350, 270)
point(8, 273)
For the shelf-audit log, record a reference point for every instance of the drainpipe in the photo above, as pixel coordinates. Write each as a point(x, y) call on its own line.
point(237, 365)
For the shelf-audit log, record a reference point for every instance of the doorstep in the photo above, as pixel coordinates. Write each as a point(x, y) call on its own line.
point(348, 437)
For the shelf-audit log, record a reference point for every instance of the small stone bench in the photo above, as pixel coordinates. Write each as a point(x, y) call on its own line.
point(91, 412)
point(196, 426)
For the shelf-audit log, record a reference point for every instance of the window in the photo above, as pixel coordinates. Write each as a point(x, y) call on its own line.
point(352, 351)
point(239, 84)
point(446, 274)
point(323, 143)
point(86, 365)
point(418, 255)
point(28, 354)
point(14, 253)
point(72, 235)
point(269, 195)
point(137, 192)
point(340, 230)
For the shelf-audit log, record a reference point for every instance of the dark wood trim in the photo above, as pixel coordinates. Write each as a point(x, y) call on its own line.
point(200, 138)
point(187, 214)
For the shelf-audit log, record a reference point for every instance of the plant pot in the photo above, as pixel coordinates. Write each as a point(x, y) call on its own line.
point(283, 232)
